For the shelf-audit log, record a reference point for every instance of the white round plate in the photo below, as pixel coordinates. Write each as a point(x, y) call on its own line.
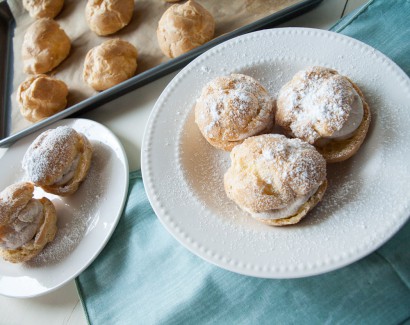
point(86, 219)
point(368, 198)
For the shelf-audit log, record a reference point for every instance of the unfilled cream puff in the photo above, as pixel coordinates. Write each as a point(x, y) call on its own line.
point(326, 109)
point(275, 179)
point(45, 46)
point(58, 160)
point(105, 17)
point(43, 8)
point(41, 96)
point(27, 225)
point(233, 108)
point(184, 27)
point(109, 64)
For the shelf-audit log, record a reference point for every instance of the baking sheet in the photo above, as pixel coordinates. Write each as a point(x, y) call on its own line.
point(6, 28)
point(239, 16)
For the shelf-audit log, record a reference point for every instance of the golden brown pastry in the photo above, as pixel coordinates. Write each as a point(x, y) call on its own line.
point(233, 108)
point(109, 64)
point(58, 160)
point(43, 8)
point(105, 17)
point(184, 27)
point(326, 109)
point(275, 179)
point(45, 46)
point(26, 224)
point(41, 96)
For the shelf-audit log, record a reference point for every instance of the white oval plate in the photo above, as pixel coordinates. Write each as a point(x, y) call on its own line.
point(368, 198)
point(86, 219)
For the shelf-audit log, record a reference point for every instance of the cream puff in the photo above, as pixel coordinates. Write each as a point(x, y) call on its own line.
point(275, 179)
point(58, 160)
point(233, 108)
point(43, 8)
point(109, 64)
point(184, 27)
point(105, 17)
point(45, 46)
point(26, 224)
point(326, 109)
point(41, 96)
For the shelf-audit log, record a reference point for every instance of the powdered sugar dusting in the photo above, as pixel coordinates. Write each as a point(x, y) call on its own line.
point(367, 197)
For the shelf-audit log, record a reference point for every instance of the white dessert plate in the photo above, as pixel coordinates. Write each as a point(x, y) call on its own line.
point(368, 198)
point(86, 219)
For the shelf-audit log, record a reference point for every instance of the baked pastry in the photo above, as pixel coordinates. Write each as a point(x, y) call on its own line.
point(233, 108)
point(326, 109)
point(184, 27)
point(58, 160)
point(275, 179)
point(110, 63)
point(43, 8)
point(45, 46)
point(26, 224)
point(41, 96)
point(105, 17)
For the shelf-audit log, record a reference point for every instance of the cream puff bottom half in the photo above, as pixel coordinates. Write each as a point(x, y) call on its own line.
point(301, 213)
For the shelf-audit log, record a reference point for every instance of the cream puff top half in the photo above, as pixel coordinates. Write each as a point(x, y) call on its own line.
point(319, 103)
point(53, 157)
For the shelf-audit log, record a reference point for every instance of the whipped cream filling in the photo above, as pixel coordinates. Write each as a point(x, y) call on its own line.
point(69, 174)
point(285, 212)
point(24, 226)
point(350, 126)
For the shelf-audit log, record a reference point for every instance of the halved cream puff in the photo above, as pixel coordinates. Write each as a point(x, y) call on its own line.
point(26, 224)
point(326, 109)
point(233, 108)
point(275, 179)
point(58, 160)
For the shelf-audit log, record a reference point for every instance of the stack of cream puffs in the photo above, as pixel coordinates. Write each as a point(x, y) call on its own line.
point(279, 179)
point(57, 161)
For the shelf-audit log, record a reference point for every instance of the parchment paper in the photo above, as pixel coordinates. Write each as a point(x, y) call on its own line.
point(141, 32)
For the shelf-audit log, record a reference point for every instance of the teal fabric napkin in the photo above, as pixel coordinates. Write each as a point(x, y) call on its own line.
point(144, 276)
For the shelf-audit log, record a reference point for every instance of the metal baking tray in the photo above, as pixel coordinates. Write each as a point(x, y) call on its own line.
point(7, 25)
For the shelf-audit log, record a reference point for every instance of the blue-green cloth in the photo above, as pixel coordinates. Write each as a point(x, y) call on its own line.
point(143, 276)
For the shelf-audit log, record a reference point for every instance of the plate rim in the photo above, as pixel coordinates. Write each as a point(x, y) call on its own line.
point(92, 257)
point(146, 170)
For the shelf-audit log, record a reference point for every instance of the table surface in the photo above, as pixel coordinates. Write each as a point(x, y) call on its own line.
point(126, 117)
